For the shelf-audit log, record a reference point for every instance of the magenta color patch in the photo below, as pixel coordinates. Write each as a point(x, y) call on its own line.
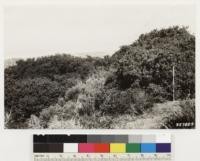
point(86, 148)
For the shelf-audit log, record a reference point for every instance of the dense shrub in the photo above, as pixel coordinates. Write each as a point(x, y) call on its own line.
point(183, 119)
point(73, 93)
point(34, 84)
point(156, 93)
point(151, 58)
point(30, 96)
point(64, 111)
point(78, 105)
point(92, 87)
point(57, 65)
point(116, 102)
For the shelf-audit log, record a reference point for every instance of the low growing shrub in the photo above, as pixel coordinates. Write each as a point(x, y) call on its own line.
point(184, 119)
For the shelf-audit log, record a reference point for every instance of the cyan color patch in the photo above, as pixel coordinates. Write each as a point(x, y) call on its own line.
point(148, 148)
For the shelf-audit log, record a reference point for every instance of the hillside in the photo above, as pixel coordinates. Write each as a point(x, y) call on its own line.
point(126, 90)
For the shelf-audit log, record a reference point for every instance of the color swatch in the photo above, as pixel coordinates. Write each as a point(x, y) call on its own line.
point(117, 148)
point(102, 144)
point(133, 148)
point(148, 148)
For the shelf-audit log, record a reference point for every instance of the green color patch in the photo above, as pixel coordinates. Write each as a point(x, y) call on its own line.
point(133, 148)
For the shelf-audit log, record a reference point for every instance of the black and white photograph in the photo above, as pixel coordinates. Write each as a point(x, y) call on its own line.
point(108, 66)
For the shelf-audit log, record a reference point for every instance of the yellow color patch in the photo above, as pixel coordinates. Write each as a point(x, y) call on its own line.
point(117, 148)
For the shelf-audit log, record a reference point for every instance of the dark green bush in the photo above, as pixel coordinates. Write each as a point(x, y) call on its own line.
point(151, 58)
point(30, 96)
point(116, 102)
point(156, 93)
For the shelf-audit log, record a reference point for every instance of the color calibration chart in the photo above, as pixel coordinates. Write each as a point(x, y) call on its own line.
point(102, 147)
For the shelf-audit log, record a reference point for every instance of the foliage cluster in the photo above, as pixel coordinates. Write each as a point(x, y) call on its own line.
point(149, 61)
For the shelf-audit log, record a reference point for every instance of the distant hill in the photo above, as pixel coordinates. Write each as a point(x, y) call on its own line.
point(92, 54)
point(10, 62)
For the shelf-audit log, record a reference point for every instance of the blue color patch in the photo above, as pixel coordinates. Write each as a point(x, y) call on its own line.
point(148, 148)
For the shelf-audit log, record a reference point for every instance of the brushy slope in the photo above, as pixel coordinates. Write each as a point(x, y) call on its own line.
point(130, 89)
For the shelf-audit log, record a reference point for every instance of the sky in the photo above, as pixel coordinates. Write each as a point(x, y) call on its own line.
point(96, 30)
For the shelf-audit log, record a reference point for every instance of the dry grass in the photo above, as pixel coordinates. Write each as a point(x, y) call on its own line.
point(55, 123)
point(165, 115)
point(162, 115)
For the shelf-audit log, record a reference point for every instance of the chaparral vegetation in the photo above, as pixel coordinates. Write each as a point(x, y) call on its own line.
point(133, 88)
